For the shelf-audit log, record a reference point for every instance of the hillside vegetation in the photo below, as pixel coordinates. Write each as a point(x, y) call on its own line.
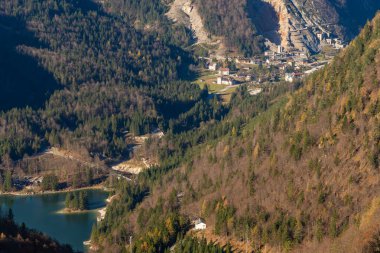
point(229, 19)
point(98, 78)
point(299, 174)
point(107, 75)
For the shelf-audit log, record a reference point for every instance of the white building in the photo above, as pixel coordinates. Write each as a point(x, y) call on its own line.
point(255, 91)
point(321, 36)
point(224, 80)
point(224, 71)
point(280, 49)
point(212, 66)
point(199, 224)
point(289, 77)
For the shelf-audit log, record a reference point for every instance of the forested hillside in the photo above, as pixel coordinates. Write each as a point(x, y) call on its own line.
point(229, 19)
point(292, 168)
point(287, 172)
point(96, 58)
point(148, 16)
point(85, 45)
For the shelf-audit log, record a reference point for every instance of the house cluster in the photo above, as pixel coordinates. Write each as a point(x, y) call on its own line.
point(326, 38)
point(291, 77)
point(224, 75)
point(283, 65)
point(29, 183)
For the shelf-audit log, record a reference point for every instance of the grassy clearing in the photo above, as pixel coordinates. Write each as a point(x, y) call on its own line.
point(208, 78)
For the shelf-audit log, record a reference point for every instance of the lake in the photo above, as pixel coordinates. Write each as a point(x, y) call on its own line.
point(40, 212)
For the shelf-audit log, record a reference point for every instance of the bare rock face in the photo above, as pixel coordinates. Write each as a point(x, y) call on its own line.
point(344, 18)
point(185, 12)
point(296, 24)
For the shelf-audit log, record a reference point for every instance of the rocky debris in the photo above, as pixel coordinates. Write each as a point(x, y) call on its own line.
point(186, 13)
point(294, 29)
point(133, 166)
point(300, 22)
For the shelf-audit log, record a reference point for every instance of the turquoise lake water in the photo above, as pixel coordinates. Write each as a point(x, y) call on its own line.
point(40, 212)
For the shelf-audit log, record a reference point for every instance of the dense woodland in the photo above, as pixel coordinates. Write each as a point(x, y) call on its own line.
point(76, 201)
point(148, 16)
point(111, 80)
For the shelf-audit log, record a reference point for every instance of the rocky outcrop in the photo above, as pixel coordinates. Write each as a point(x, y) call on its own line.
point(299, 21)
point(185, 12)
point(293, 29)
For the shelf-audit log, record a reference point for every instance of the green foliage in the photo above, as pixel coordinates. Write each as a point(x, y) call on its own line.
point(50, 182)
point(85, 38)
point(161, 233)
point(224, 218)
point(146, 13)
point(300, 142)
point(77, 200)
point(130, 195)
point(8, 181)
point(193, 245)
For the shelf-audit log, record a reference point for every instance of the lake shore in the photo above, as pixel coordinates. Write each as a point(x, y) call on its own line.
point(102, 214)
point(72, 211)
point(25, 193)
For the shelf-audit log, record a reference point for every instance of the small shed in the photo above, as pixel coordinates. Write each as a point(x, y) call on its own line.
point(199, 224)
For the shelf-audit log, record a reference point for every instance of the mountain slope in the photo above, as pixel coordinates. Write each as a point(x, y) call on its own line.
point(313, 163)
point(298, 176)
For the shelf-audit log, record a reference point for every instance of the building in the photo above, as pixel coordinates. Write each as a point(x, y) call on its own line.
point(289, 77)
point(280, 49)
point(224, 80)
point(321, 36)
point(199, 224)
point(256, 61)
point(243, 60)
point(255, 91)
point(212, 66)
point(269, 53)
point(224, 71)
point(339, 44)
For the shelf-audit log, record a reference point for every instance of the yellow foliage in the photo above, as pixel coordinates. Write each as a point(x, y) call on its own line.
point(290, 103)
point(366, 218)
point(328, 87)
point(144, 246)
point(169, 226)
point(256, 151)
point(299, 124)
point(343, 103)
point(225, 202)
point(233, 132)
point(226, 149)
point(203, 208)
point(230, 222)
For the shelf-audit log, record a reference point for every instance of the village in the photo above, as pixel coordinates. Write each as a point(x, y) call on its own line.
point(223, 75)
